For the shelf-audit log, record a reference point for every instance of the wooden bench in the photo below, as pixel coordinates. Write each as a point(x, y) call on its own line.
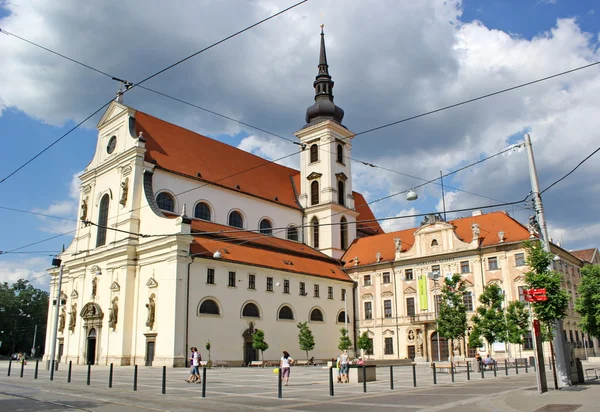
point(595, 370)
point(302, 363)
point(445, 367)
point(222, 364)
point(256, 363)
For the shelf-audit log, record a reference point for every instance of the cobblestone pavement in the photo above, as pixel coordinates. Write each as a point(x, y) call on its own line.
point(256, 389)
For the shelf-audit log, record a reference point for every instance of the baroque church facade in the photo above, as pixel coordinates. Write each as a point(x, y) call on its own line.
point(184, 240)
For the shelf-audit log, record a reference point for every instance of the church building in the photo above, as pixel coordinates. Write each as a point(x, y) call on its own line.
point(183, 240)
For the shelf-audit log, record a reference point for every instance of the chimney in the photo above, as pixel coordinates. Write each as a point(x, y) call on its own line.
point(476, 213)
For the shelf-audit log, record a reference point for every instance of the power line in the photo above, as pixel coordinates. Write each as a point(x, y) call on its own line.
point(38, 242)
point(133, 85)
point(572, 170)
point(37, 214)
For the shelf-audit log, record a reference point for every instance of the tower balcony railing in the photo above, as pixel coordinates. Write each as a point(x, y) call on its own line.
point(420, 317)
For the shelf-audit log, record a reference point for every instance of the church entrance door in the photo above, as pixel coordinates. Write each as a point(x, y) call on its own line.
point(91, 347)
point(250, 354)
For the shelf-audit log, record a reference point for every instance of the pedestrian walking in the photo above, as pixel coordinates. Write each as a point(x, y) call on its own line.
point(195, 359)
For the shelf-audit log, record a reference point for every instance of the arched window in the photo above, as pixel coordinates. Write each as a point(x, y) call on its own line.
point(340, 318)
point(236, 219)
point(165, 202)
point(344, 233)
point(316, 315)
point(434, 242)
point(102, 220)
point(314, 153)
point(314, 193)
point(202, 211)
point(251, 311)
point(292, 233)
point(209, 307)
point(286, 313)
point(315, 229)
point(266, 228)
point(341, 192)
point(340, 153)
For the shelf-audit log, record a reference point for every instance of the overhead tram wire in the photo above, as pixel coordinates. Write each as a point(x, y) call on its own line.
point(289, 140)
point(37, 214)
point(38, 242)
point(133, 85)
point(572, 170)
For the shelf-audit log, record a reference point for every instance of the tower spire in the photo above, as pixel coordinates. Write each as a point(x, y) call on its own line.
point(324, 108)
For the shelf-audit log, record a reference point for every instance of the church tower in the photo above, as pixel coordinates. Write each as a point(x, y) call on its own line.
point(325, 170)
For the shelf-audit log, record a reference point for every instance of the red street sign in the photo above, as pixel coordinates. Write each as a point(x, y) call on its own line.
point(536, 298)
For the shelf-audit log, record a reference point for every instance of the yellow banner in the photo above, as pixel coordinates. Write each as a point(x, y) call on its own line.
point(422, 285)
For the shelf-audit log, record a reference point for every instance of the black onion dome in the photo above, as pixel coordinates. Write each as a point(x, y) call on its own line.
point(324, 108)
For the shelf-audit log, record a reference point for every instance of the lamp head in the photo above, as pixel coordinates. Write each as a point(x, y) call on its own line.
point(56, 262)
point(411, 195)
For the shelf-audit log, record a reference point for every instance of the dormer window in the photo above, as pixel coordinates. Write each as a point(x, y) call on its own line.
point(314, 153)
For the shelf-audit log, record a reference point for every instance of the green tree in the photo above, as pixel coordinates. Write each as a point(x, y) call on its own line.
point(555, 307)
point(488, 321)
point(517, 322)
point(588, 302)
point(22, 307)
point(306, 340)
point(452, 315)
point(345, 342)
point(364, 343)
point(258, 343)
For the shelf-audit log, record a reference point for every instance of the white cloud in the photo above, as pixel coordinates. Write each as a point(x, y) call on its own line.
point(64, 208)
point(32, 269)
point(270, 149)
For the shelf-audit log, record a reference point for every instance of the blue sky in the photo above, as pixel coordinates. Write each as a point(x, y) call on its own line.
point(44, 104)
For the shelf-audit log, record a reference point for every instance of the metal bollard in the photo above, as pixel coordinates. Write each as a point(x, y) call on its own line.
point(516, 366)
point(452, 371)
point(69, 373)
point(89, 373)
point(22, 368)
point(534, 364)
point(550, 362)
point(364, 373)
point(164, 380)
point(279, 389)
point(110, 375)
point(482, 367)
point(414, 375)
point(37, 364)
point(331, 381)
point(135, 377)
point(434, 375)
point(527, 367)
point(391, 377)
point(52, 370)
point(204, 381)
point(495, 369)
point(9, 366)
point(468, 370)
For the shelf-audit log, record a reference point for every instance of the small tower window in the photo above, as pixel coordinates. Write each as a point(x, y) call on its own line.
point(315, 228)
point(434, 242)
point(102, 220)
point(341, 192)
point(344, 233)
point(340, 153)
point(314, 193)
point(314, 153)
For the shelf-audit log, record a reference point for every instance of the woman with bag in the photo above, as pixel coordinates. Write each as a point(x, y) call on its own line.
point(284, 364)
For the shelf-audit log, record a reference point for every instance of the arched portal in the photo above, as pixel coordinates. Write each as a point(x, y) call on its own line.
point(91, 347)
point(443, 345)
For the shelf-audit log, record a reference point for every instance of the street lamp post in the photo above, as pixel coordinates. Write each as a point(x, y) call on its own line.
point(561, 360)
point(435, 276)
point(56, 263)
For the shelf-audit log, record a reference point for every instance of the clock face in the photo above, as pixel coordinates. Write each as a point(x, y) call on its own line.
point(112, 143)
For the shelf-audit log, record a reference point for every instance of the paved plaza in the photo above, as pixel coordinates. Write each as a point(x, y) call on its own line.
point(256, 389)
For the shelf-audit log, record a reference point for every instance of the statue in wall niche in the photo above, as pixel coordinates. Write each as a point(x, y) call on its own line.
point(94, 287)
point(398, 243)
point(73, 317)
point(61, 320)
point(113, 314)
point(151, 305)
point(125, 188)
point(419, 345)
point(475, 229)
point(84, 209)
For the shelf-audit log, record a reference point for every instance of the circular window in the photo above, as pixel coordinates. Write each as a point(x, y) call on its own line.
point(112, 143)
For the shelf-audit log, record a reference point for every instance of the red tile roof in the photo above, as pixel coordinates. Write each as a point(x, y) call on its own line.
point(585, 254)
point(489, 225)
point(184, 152)
point(255, 249)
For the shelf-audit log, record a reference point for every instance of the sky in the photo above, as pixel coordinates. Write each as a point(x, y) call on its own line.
point(389, 59)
